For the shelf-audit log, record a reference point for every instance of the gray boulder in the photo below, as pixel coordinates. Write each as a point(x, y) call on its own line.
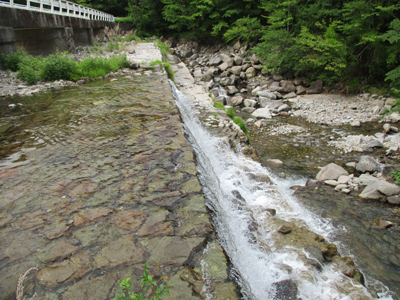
point(255, 91)
point(238, 60)
point(185, 51)
point(275, 87)
point(236, 70)
point(248, 110)
point(226, 81)
point(290, 95)
point(215, 61)
point(249, 103)
point(394, 200)
point(288, 86)
point(251, 72)
point(277, 77)
point(224, 66)
point(300, 90)
point(283, 107)
point(206, 77)
point(235, 100)
point(379, 189)
point(331, 172)
point(367, 164)
point(262, 113)
point(266, 94)
point(231, 90)
point(316, 88)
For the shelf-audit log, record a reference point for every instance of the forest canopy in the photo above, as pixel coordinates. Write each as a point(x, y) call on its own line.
point(355, 41)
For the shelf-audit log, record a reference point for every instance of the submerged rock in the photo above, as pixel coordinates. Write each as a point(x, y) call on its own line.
point(285, 290)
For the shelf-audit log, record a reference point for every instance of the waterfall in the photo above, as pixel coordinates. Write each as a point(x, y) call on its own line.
point(239, 195)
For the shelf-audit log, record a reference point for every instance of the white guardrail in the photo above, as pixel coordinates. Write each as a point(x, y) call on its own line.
point(59, 7)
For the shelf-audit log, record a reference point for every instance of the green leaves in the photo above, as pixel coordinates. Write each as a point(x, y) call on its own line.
point(245, 29)
point(149, 285)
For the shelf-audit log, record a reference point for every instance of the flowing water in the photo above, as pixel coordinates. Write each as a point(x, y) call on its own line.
point(94, 182)
point(239, 195)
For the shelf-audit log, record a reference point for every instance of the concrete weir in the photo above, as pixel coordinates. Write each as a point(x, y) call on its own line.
point(41, 33)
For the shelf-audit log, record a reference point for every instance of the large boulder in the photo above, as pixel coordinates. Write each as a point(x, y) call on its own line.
point(331, 172)
point(226, 81)
point(224, 66)
point(379, 189)
point(263, 113)
point(235, 100)
point(185, 51)
point(267, 94)
point(301, 90)
point(238, 60)
point(236, 70)
point(249, 103)
point(231, 90)
point(215, 61)
point(251, 72)
point(316, 88)
point(275, 87)
point(288, 86)
point(367, 164)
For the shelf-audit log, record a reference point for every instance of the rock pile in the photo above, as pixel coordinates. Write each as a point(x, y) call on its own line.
point(389, 138)
point(235, 69)
point(372, 183)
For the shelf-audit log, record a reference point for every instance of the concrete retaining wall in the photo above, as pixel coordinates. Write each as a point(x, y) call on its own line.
point(43, 33)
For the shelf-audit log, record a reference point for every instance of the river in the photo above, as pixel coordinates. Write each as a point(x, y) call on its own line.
point(97, 180)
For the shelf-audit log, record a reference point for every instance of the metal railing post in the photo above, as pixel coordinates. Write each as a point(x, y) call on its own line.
point(11, 3)
point(41, 5)
point(28, 4)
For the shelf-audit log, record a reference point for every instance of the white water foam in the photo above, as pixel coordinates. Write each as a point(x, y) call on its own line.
point(238, 200)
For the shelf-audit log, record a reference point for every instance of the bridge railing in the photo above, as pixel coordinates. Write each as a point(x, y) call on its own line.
point(59, 7)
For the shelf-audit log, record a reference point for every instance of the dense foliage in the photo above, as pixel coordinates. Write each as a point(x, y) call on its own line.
point(351, 41)
point(60, 66)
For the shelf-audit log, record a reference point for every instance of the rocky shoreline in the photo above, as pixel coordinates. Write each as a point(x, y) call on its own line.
point(261, 95)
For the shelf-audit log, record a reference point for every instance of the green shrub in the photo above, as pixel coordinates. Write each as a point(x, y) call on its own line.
point(169, 71)
point(132, 37)
point(164, 49)
point(149, 286)
point(58, 66)
point(231, 112)
point(112, 45)
point(219, 105)
point(29, 69)
point(28, 74)
point(239, 121)
point(95, 67)
point(128, 20)
point(396, 177)
point(12, 61)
